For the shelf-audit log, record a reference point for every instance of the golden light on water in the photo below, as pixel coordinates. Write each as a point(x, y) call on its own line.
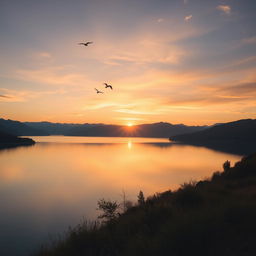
point(129, 144)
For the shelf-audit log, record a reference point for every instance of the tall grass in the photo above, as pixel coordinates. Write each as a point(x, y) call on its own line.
point(211, 217)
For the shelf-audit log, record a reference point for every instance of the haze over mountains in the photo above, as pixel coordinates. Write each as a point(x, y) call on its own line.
point(160, 130)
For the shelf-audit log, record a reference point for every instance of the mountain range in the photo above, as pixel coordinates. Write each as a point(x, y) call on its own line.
point(160, 130)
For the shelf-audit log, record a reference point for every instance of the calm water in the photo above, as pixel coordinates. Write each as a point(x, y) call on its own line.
point(48, 187)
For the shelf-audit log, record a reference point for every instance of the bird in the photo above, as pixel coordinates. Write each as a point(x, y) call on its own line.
point(108, 85)
point(98, 90)
point(86, 44)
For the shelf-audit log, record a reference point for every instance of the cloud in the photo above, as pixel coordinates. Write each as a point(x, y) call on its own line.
point(46, 55)
point(185, 1)
point(249, 40)
point(56, 75)
point(130, 118)
point(224, 8)
point(248, 89)
point(4, 96)
point(189, 17)
point(24, 95)
point(135, 112)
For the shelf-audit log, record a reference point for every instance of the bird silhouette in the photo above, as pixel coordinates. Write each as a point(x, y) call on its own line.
point(98, 90)
point(108, 86)
point(86, 44)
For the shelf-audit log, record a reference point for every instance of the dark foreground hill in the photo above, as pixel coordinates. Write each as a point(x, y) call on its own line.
point(8, 140)
point(234, 136)
point(210, 217)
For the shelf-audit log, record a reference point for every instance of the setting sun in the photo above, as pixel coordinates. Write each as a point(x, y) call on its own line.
point(130, 124)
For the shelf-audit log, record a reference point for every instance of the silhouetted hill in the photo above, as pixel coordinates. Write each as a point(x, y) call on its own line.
point(161, 130)
point(8, 140)
point(237, 136)
point(211, 217)
point(19, 129)
point(53, 128)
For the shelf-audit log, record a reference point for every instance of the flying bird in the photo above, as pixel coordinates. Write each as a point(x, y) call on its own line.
point(86, 44)
point(108, 86)
point(98, 90)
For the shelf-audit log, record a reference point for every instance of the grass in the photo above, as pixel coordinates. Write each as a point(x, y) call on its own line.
point(210, 217)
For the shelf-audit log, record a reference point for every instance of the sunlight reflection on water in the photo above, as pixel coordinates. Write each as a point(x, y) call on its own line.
point(53, 184)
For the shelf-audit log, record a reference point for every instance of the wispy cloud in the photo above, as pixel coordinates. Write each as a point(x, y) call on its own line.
point(24, 95)
point(189, 17)
point(135, 112)
point(4, 96)
point(224, 8)
point(56, 75)
point(130, 118)
point(249, 40)
point(46, 55)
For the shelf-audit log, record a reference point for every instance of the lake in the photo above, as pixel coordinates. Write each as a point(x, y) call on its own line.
point(56, 183)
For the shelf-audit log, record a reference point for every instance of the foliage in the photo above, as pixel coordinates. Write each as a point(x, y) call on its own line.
point(210, 217)
point(226, 166)
point(141, 198)
point(109, 208)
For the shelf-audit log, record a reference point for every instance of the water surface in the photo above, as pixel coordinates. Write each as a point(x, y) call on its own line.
point(52, 185)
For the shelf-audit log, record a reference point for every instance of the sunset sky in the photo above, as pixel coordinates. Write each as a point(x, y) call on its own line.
point(179, 61)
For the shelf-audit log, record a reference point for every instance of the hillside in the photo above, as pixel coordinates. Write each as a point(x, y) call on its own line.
point(211, 217)
point(8, 140)
point(233, 137)
point(19, 129)
point(53, 128)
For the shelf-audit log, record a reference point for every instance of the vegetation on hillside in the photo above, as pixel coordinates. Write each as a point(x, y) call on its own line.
point(210, 217)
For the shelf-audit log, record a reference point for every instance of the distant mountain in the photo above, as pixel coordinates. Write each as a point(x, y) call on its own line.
point(19, 129)
point(237, 136)
point(8, 140)
point(53, 128)
point(160, 130)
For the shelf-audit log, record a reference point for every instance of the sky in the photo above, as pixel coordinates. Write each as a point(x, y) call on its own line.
point(177, 61)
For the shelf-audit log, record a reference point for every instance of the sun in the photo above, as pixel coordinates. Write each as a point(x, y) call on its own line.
point(130, 124)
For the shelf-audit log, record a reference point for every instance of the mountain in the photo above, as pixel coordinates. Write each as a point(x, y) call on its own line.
point(160, 130)
point(19, 129)
point(9, 140)
point(233, 131)
point(53, 128)
point(238, 135)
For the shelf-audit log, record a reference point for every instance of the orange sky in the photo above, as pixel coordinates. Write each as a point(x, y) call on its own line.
point(175, 61)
